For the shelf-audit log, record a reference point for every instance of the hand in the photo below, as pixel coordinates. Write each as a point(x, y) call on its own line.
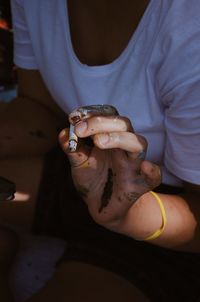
point(112, 174)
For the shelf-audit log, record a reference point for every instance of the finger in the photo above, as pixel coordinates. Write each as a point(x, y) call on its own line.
point(63, 138)
point(101, 124)
point(135, 145)
point(78, 159)
point(152, 174)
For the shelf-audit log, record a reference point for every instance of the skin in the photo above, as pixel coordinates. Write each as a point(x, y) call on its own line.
point(126, 212)
point(133, 180)
point(126, 182)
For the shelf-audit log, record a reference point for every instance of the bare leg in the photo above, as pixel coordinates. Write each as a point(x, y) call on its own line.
point(18, 212)
point(26, 174)
point(77, 282)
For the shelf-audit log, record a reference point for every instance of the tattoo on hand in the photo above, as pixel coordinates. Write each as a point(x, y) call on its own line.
point(108, 189)
point(132, 196)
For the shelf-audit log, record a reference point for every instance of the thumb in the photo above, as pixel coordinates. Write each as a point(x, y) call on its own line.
point(79, 158)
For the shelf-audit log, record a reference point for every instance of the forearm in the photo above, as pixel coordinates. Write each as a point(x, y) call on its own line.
point(181, 230)
point(27, 129)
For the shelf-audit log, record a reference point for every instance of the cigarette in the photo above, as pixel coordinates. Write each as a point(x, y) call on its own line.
point(73, 139)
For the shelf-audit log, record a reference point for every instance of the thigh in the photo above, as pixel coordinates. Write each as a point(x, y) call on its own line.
point(26, 174)
point(76, 281)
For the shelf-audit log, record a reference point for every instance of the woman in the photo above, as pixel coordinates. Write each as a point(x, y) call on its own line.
point(143, 58)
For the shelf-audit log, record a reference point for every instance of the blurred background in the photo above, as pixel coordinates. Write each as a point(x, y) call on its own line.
point(7, 69)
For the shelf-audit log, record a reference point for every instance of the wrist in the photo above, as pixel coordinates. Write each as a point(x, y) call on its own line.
point(143, 218)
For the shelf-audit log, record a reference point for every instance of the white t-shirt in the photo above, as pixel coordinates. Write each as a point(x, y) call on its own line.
point(155, 81)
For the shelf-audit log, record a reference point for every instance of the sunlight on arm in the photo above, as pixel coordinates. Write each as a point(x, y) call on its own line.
point(21, 197)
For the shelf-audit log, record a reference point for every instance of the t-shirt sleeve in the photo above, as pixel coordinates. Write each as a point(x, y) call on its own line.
point(179, 87)
point(23, 50)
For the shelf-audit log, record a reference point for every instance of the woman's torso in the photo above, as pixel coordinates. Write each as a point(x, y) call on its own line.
point(117, 66)
point(101, 30)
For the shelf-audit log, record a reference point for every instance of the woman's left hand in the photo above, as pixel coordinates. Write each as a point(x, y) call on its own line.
point(112, 174)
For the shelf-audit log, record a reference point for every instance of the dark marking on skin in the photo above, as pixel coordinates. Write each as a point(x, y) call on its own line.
point(132, 196)
point(38, 133)
point(82, 191)
point(140, 181)
point(127, 154)
point(119, 199)
point(108, 189)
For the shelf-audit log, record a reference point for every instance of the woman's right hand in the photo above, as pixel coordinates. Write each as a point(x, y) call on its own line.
point(112, 174)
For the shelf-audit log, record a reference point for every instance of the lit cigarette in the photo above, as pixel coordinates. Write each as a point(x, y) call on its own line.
point(73, 139)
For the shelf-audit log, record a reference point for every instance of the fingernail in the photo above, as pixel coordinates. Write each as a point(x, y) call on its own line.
point(81, 127)
point(103, 138)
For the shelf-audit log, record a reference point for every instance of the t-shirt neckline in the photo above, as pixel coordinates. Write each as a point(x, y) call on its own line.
point(120, 59)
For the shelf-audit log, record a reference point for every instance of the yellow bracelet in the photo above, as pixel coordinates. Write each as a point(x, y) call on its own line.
point(158, 232)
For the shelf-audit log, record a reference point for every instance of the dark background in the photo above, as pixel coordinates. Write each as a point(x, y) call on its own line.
point(5, 11)
point(7, 74)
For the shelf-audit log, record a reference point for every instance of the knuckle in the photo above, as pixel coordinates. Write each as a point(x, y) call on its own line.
point(127, 122)
point(114, 138)
point(143, 142)
point(97, 119)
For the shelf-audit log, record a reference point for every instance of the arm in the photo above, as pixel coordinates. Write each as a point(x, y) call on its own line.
point(115, 186)
point(29, 125)
point(178, 88)
point(183, 217)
